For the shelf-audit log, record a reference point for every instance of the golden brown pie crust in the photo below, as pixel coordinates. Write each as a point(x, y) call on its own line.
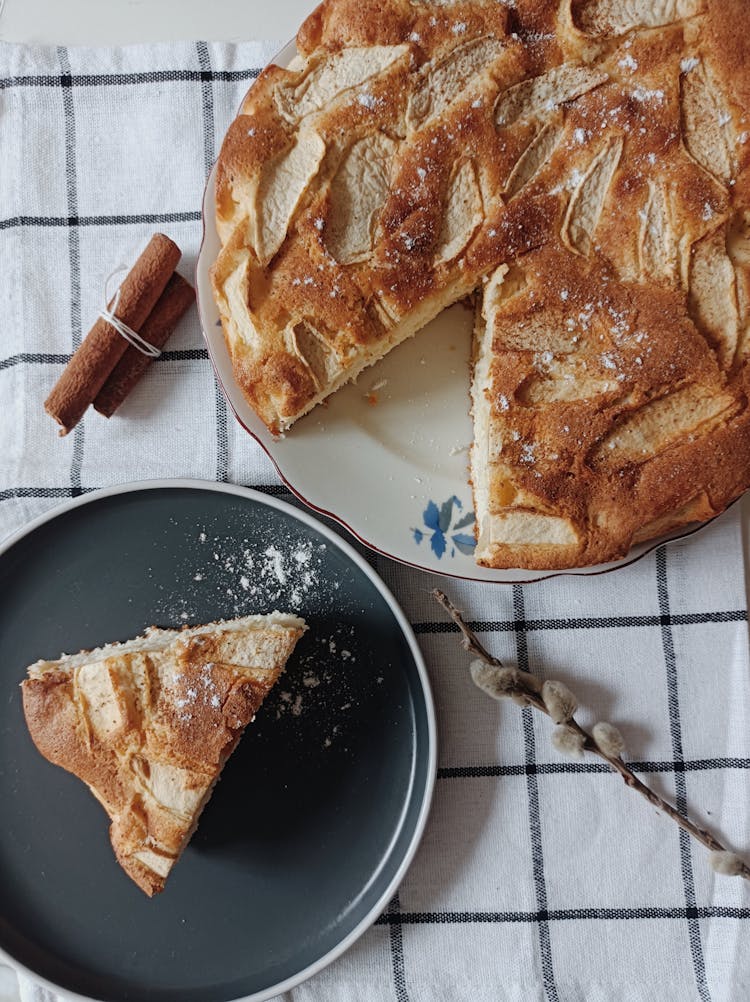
point(582, 167)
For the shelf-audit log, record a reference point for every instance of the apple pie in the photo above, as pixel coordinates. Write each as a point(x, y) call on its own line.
point(578, 167)
point(149, 724)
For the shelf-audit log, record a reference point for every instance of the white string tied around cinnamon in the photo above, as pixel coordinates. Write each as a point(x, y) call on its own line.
point(132, 337)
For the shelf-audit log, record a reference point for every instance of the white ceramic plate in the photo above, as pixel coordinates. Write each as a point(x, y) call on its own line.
point(387, 456)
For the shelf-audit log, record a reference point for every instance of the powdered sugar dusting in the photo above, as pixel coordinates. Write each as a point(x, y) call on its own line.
point(641, 94)
point(223, 574)
point(247, 577)
point(195, 692)
point(628, 62)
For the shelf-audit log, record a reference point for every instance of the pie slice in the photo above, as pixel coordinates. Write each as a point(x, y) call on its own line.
point(149, 724)
point(582, 167)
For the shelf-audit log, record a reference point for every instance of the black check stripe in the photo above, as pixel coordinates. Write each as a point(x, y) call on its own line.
point(209, 141)
point(397, 949)
point(587, 623)
point(36, 492)
point(673, 702)
point(43, 358)
point(68, 79)
point(127, 219)
point(274, 490)
point(535, 828)
point(34, 358)
point(74, 250)
point(184, 355)
point(564, 915)
point(567, 767)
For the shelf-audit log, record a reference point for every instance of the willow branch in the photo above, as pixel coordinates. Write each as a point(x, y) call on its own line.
point(525, 689)
point(469, 640)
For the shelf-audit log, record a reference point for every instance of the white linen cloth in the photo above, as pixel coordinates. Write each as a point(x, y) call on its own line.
point(539, 878)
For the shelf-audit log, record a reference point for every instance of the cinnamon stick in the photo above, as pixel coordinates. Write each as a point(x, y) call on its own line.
point(103, 347)
point(178, 296)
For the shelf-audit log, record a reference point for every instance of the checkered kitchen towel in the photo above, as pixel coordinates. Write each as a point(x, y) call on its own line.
point(538, 878)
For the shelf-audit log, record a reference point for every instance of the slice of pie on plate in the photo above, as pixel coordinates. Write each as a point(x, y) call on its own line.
point(582, 167)
point(149, 724)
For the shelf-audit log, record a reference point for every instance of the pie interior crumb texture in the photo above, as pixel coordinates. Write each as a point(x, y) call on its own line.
point(580, 168)
point(149, 724)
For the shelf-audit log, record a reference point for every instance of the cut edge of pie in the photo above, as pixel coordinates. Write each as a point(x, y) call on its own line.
point(149, 724)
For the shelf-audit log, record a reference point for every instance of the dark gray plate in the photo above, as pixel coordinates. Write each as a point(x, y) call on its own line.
point(320, 808)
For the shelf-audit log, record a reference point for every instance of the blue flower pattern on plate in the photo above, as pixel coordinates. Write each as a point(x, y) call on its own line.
point(441, 528)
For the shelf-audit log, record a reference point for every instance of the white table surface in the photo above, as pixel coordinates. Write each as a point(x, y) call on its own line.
point(111, 22)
